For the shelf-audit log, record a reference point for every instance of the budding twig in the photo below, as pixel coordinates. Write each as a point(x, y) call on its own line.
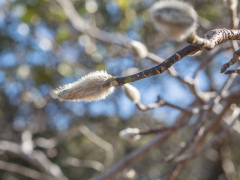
point(157, 69)
point(213, 38)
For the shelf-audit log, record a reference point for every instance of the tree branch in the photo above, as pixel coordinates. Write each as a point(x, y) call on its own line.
point(36, 158)
point(213, 38)
point(24, 171)
point(134, 156)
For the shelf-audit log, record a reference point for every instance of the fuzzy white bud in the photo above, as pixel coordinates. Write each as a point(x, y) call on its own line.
point(130, 134)
point(139, 48)
point(132, 93)
point(94, 86)
point(175, 19)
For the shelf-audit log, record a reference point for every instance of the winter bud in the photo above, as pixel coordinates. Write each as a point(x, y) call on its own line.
point(94, 86)
point(139, 48)
point(175, 19)
point(132, 93)
point(130, 134)
point(130, 71)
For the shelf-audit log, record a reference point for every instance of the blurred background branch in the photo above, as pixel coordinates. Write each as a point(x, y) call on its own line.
point(191, 132)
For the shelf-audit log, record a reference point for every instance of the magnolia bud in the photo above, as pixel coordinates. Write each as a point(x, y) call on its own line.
point(175, 19)
point(94, 86)
point(132, 93)
point(195, 53)
point(139, 48)
point(130, 71)
point(130, 134)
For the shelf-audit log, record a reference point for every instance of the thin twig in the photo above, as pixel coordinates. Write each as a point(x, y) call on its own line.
point(134, 156)
point(215, 140)
point(99, 142)
point(160, 102)
point(227, 163)
point(193, 138)
point(74, 162)
point(179, 167)
point(24, 171)
point(36, 158)
point(207, 60)
point(234, 59)
point(237, 71)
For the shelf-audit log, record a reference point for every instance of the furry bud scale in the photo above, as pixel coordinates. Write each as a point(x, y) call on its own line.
point(94, 86)
point(140, 49)
point(175, 19)
point(132, 93)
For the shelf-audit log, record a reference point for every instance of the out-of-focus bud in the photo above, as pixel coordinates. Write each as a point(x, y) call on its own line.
point(232, 3)
point(27, 143)
point(132, 93)
point(175, 19)
point(139, 48)
point(130, 134)
point(130, 71)
point(195, 53)
point(92, 87)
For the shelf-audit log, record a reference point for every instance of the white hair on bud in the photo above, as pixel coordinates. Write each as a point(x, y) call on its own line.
point(130, 134)
point(175, 19)
point(132, 93)
point(94, 86)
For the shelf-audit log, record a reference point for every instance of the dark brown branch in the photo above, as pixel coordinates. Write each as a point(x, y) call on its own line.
point(234, 59)
point(157, 69)
point(233, 71)
point(213, 38)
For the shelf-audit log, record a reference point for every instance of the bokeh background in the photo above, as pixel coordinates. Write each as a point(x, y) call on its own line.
point(41, 50)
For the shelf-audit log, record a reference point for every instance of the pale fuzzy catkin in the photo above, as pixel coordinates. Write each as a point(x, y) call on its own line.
point(175, 19)
point(94, 86)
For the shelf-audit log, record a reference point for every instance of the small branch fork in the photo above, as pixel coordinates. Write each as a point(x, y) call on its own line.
point(212, 39)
